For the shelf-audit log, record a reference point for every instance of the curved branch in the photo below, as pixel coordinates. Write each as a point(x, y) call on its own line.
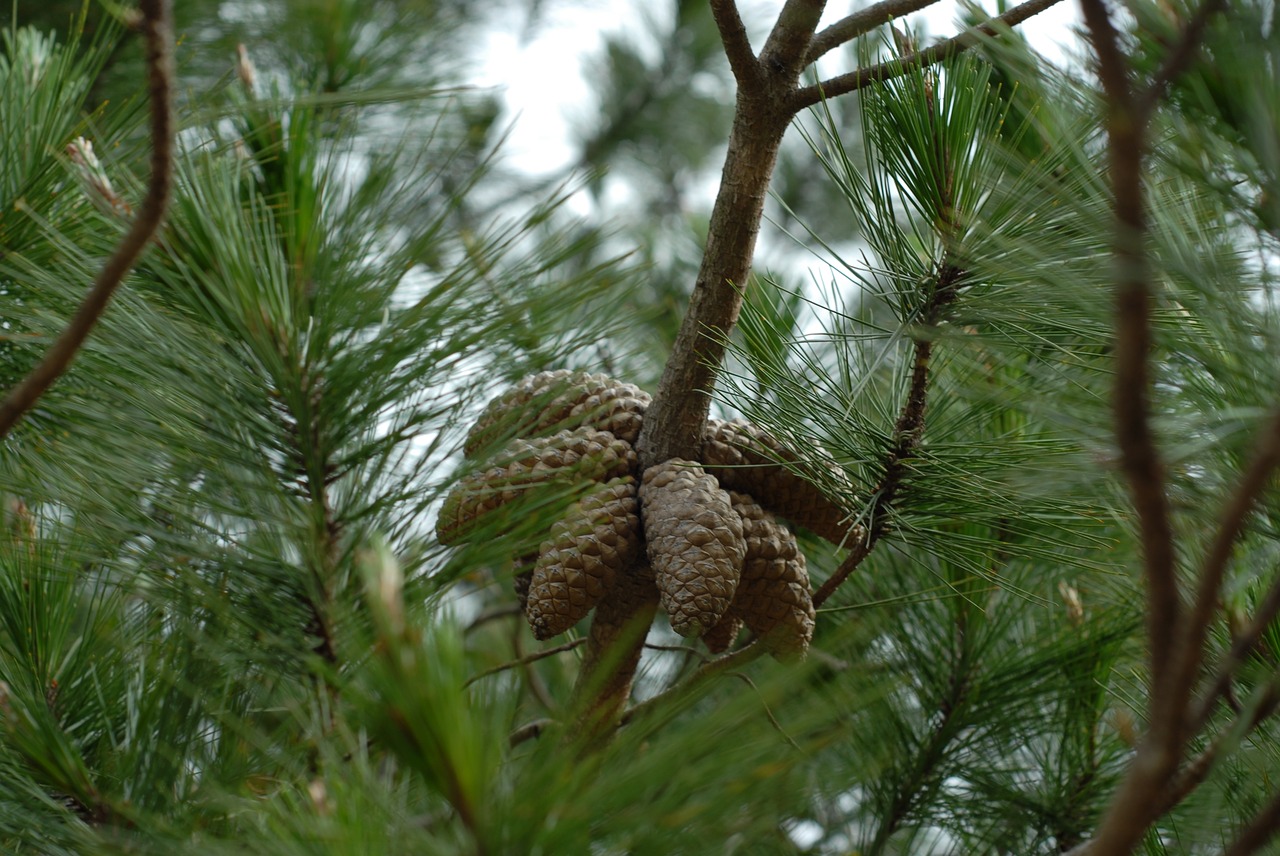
point(156, 32)
point(526, 660)
point(860, 23)
point(845, 83)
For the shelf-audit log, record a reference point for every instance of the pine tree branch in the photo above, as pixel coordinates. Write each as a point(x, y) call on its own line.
point(737, 47)
point(785, 49)
point(1191, 652)
point(526, 660)
point(1180, 57)
point(700, 677)
point(156, 29)
point(1243, 644)
point(1193, 774)
point(1113, 66)
point(808, 96)
point(1139, 458)
point(1259, 832)
point(860, 23)
point(1176, 646)
point(860, 551)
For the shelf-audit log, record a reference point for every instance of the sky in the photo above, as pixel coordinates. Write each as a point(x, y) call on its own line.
point(542, 77)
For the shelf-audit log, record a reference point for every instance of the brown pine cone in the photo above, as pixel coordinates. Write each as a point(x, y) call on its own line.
point(598, 538)
point(560, 400)
point(773, 597)
point(522, 570)
point(695, 543)
point(566, 458)
point(744, 458)
point(719, 638)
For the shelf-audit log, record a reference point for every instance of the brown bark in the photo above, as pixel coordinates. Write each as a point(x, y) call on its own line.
point(674, 421)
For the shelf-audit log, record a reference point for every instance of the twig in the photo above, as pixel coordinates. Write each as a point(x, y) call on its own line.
point(1265, 460)
point(494, 614)
point(1192, 775)
point(156, 32)
point(860, 23)
point(1240, 648)
point(773, 720)
point(1259, 831)
point(680, 649)
point(529, 731)
point(840, 85)
point(526, 660)
point(737, 47)
point(704, 674)
point(860, 551)
point(1180, 57)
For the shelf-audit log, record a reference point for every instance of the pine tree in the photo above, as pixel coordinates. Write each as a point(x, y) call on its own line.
point(1015, 453)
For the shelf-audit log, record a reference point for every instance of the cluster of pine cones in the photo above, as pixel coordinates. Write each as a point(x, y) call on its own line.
point(705, 531)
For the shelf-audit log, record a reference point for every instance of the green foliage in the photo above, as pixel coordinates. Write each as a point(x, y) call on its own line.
point(226, 626)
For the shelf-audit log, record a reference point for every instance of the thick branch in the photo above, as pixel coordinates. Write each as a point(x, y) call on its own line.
point(860, 23)
point(784, 51)
point(674, 421)
point(810, 95)
point(1139, 458)
point(156, 32)
point(737, 47)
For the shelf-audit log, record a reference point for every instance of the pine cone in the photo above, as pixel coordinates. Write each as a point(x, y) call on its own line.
point(566, 458)
point(744, 458)
point(560, 400)
point(719, 638)
point(523, 574)
point(773, 597)
point(695, 543)
point(598, 538)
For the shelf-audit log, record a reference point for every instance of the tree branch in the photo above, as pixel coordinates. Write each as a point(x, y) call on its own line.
point(1259, 831)
point(1180, 57)
point(526, 660)
point(784, 51)
point(1240, 648)
point(703, 675)
point(156, 32)
point(845, 83)
point(1191, 653)
point(1139, 458)
point(860, 23)
point(737, 47)
point(860, 551)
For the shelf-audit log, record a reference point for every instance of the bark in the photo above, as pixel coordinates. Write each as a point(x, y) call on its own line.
point(674, 421)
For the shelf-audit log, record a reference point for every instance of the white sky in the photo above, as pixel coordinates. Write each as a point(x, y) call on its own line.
point(542, 78)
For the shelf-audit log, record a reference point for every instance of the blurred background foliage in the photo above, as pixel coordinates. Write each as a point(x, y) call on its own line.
point(225, 624)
